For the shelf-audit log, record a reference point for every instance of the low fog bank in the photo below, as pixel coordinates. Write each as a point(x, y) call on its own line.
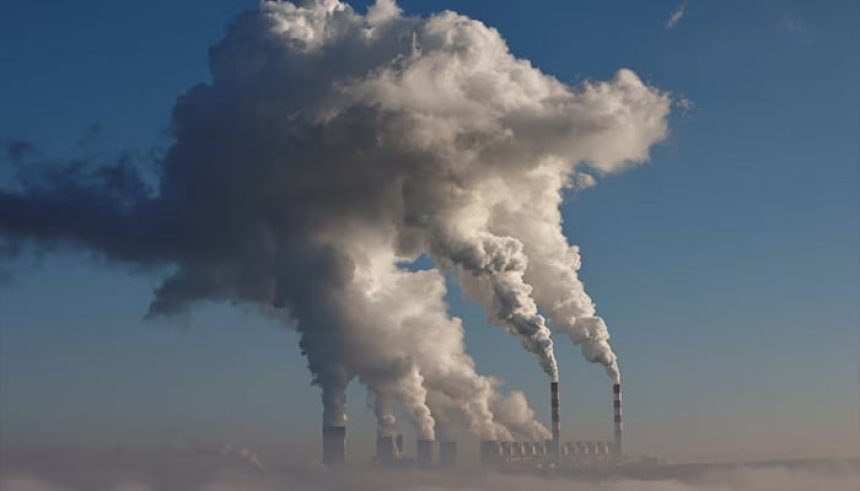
point(213, 473)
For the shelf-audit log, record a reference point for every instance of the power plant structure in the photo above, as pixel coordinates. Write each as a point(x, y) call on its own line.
point(544, 454)
point(556, 421)
point(555, 453)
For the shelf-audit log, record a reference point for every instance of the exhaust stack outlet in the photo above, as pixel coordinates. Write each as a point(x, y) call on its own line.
point(617, 449)
point(334, 445)
point(448, 454)
point(424, 453)
point(385, 449)
point(555, 444)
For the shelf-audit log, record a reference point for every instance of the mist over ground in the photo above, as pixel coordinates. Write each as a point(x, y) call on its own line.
point(742, 478)
point(193, 470)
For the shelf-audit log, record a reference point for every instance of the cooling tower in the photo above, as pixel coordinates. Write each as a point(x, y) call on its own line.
point(556, 421)
point(489, 452)
point(385, 449)
point(617, 449)
point(448, 454)
point(424, 453)
point(334, 445)
point(398, 442)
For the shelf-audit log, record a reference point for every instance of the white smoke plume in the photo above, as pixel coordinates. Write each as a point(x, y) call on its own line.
point(492, 270)
point(515, 412)
point(409, 315)
point(386, 419)
point(332, 147)
point(553, 267)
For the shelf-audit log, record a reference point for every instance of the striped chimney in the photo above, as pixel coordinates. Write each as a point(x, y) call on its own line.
point(617, 449)
point(556, 420)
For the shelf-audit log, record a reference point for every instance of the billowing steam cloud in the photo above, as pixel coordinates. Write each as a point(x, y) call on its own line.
point(553, 266)
point(332, 148)
point(514, 410)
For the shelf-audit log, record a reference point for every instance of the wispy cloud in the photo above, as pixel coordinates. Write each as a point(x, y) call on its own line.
point(677, 15)
point(684, 104)
point(793, 25)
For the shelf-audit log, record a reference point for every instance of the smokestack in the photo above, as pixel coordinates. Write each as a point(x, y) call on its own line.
point(334, 445)
point(424, 453)
point(555, 445)
point(617, 449)
point(489, 452)
point(448, 454)
point(385, 449)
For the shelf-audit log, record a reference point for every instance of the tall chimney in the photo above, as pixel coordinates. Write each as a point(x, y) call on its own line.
point(334, 445)
point(448, 454)
point(424, 453)
point(617, 449)
point(555, 445)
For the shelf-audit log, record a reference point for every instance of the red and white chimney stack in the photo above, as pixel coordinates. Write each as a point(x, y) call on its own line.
point(617, 448)
point(556, 422)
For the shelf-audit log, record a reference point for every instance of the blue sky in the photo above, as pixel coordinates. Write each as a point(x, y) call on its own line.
point(728, 268)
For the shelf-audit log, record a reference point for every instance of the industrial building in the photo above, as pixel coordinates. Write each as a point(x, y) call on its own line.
point(548, 454)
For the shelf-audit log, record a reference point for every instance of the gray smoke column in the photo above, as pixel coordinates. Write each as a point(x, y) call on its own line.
point(492, 270)
point(329, 149)
point(386, 421)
